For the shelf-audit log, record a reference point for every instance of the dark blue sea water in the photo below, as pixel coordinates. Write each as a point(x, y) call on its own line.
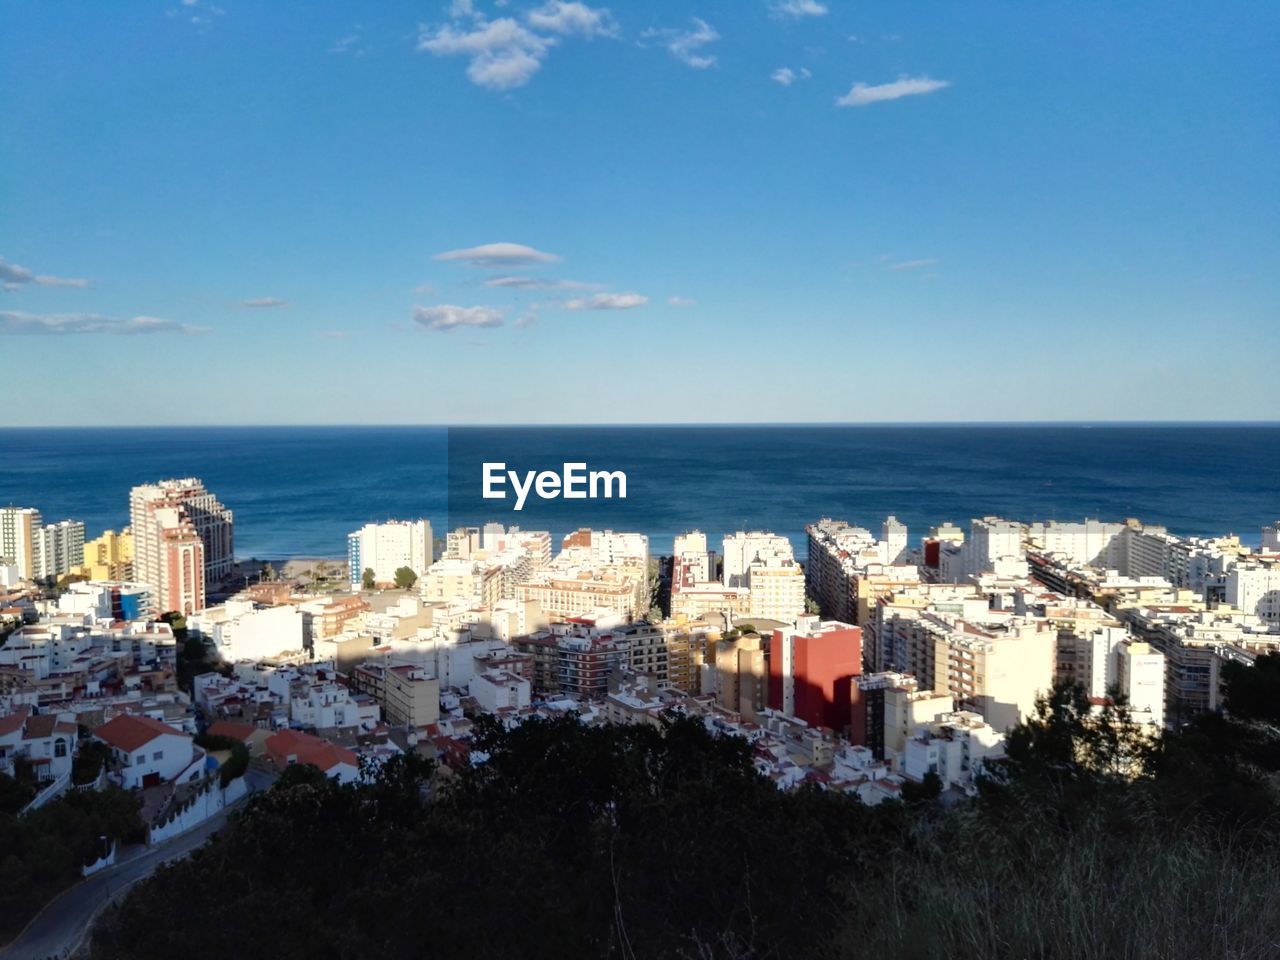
point(297, 491)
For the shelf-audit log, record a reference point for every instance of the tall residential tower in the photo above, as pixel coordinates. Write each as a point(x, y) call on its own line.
point(182, 540)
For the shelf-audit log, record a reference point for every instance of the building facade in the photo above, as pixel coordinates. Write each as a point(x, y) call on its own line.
point(386, 547)
point(182, 539)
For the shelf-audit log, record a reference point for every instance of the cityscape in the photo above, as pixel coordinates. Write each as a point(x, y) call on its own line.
point(681, 480)
point(154, 661)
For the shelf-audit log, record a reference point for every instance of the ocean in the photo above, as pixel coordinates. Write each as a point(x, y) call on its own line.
point(298, 491)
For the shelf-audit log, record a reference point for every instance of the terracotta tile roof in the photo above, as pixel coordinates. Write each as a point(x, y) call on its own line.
point(305, 748)
point(229, 728)
point(127, 732)
point(14, 721)
point(40, 727)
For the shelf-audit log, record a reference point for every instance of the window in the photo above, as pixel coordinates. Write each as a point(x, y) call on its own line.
point(59, 748)
point(141, 758)
point(158, 755)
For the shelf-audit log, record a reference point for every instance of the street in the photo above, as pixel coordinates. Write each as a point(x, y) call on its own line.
point(61, 928)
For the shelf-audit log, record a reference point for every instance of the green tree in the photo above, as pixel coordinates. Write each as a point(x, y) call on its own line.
point(405, 578)
point(367, 578)
point(13, 794)
point(177, 622)
point(1253, 692)
point(92, 756)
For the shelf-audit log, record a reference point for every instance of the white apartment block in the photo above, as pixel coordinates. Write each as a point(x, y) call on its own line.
point(330, 706)
point(848, 568)
point(534, 544)
point(61, 548)
point(496, 690)
point(452, 658)
point(241, 630)
point(386, 547)
point(690, 550)
point(893, 534)
point(1114, 662)
point(606, 548)
point(1091, 543)
point(993, 545)
point(1271, 538)
point(906, 710)
point(104, 600)
point(1140, 677)
point(456, 579)
point(20, 542)
point(742, 549)
point(986, 660)
point(462, 543)
point(955, 747)
point(53, 646)
point(1254, 588)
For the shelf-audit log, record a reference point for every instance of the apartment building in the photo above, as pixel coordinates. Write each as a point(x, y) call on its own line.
point(182, 539)
point(386, 547)
point(812, 668)
point(108, 557)
point(20, 542)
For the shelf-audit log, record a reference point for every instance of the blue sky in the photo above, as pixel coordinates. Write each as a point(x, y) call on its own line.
point(939, 211)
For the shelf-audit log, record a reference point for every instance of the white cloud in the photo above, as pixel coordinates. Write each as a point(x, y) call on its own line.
point(786, 76)
point(16, 323)
point(681, 301)
point(498, 255)
point(198, 12)
point(529, 318)
point(504, 54)
point(350, 45)
point(799, 8)
point(685, 45)
point(536, 283)
point(265, 302)
point(573, 19)
point(911, 264)
point(13, 276)
point(862, 94)
point(447, 316)
point(607, 301)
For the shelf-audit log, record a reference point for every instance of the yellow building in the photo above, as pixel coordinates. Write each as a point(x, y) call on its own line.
point(110, 557)
point(741, 675)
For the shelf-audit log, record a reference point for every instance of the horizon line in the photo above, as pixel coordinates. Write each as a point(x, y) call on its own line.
point(649, 424)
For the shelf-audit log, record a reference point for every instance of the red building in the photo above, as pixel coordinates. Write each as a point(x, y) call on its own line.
point(812, 669)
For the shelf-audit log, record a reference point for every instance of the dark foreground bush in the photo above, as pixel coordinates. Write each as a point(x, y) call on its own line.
point(635, 842)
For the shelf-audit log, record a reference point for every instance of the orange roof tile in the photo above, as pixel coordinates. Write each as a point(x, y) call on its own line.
point(229, 728)
point(127, 732)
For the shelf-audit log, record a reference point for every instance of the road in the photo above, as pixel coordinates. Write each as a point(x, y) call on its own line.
point(61, 928)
